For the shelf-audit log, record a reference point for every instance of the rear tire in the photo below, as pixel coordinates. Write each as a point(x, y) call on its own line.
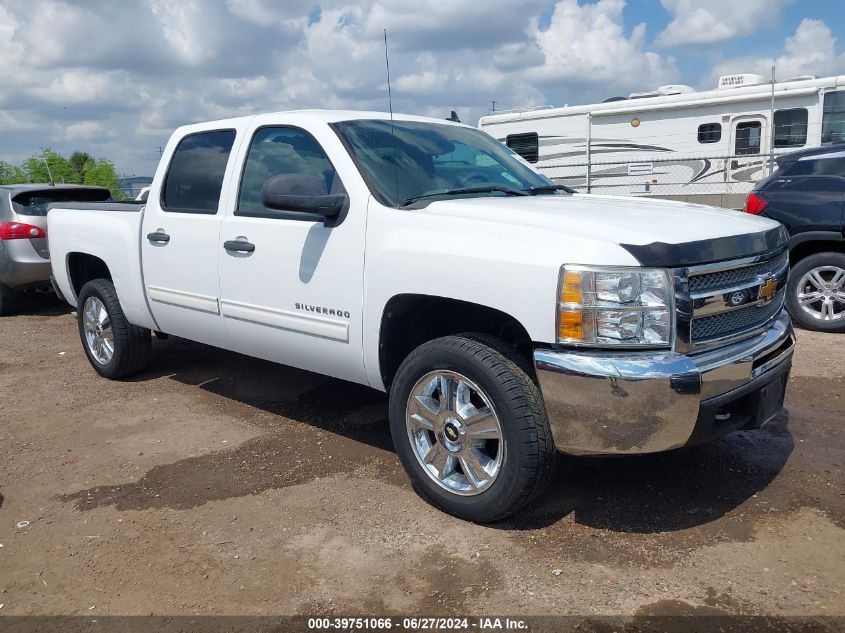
point(498, 420)
point(114, 347)
point(806, 300)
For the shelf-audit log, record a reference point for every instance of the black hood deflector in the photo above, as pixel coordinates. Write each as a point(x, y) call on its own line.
point(662, 255)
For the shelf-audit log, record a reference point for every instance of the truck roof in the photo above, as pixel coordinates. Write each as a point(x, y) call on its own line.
point(326, 116)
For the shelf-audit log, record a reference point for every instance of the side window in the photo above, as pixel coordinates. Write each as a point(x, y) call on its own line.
point(816, 166)
point(275, 151)
point(526, 145)
point(195, 175)
point(710, 133)
point(748, 138)
point(791, 127)
point(833, 117)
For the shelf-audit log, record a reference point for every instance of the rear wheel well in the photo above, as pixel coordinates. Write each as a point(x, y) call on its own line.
point(805, 249)
point(83, 267)
point(410, 320)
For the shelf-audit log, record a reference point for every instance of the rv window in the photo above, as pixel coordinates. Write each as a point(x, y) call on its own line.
point(710, 133)
point(526, 145)
point(833, 117)
point(747, 138)
point(791, 127)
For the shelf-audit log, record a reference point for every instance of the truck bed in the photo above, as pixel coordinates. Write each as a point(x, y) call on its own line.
point(109, 232)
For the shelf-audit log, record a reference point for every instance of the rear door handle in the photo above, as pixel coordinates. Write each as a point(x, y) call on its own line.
point(239, 246)
point(158, 237)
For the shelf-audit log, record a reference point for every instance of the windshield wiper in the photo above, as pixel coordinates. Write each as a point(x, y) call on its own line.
point(533, 191)
point(455, 192)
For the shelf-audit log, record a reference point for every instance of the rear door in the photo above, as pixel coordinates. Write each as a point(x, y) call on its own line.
point(808, 195)
point(179, 239)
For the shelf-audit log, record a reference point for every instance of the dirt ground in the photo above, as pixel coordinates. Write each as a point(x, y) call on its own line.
point(219, 484)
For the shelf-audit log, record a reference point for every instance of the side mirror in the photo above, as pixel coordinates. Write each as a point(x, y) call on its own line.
point(301, 193)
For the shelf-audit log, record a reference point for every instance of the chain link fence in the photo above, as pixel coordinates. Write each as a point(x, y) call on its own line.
point(708, 179)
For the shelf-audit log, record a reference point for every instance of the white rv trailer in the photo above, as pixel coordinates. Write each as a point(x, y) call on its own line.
point(674, 142)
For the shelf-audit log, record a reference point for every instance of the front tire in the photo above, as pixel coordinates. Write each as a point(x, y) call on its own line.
point(470, 428)
point(816, 292)
point(114, 347)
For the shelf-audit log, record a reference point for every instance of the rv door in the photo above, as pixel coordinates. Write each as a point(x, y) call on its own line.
point(750, 146)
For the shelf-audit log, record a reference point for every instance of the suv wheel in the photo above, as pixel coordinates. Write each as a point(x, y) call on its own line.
point(114, 347)
point(470, 428)
point(816, 292)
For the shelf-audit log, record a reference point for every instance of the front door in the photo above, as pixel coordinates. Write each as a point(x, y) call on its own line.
point(292, 284)
point(179, 239)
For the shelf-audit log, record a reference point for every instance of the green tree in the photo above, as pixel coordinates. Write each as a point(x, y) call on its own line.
point(80, 169)
point(12, 174)
point(59, 168)
point(78, 161)
point(102, 173)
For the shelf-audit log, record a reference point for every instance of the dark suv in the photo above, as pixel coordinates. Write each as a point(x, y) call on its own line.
point(807, 195)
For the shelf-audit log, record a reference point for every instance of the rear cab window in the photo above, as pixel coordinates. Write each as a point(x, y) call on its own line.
point(194, 177)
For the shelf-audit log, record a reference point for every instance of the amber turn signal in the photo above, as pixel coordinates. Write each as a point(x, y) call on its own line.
point(571, 326)
point(571, 291)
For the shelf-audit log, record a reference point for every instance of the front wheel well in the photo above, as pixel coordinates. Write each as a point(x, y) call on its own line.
point(409, 320)
point(83, 268)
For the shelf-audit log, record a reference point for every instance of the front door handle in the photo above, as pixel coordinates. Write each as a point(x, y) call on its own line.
point(239, 246)
point(158, 237)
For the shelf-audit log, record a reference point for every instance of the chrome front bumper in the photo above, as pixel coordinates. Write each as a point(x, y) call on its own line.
point(602, 402)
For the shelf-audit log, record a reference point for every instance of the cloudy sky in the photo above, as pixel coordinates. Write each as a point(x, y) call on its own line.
point(115, 77)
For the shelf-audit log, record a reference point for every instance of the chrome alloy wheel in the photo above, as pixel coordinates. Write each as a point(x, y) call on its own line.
point(455, 432)
point(821, 293)
point(98, 333)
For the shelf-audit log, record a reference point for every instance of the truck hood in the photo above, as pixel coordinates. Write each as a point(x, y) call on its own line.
point(657, 225)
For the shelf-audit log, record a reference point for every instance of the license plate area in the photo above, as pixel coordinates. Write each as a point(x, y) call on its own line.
point(770, 400)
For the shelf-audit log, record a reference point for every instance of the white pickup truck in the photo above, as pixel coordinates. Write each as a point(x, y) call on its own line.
point(506, 316)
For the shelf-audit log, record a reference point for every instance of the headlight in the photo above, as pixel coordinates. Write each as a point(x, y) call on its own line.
point(614, 306)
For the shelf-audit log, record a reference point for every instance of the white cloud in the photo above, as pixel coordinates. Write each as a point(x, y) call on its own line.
point(83, 86)
point(183, 24)
point(811, 50)
point(11, 51)
point(695, 22)
point(117, 77)
point(16, 121)
point(83, 131)
point(586, 42)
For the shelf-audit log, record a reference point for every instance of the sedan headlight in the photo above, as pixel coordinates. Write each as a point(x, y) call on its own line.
point(614, 307)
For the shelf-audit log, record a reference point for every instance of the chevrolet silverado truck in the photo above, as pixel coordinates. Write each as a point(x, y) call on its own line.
point(507, 317)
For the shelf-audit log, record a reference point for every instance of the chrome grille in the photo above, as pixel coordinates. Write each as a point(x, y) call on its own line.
point(735, 276)
point(727, 301)
point(725, 324)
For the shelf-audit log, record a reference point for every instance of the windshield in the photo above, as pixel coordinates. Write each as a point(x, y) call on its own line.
point(407, 161)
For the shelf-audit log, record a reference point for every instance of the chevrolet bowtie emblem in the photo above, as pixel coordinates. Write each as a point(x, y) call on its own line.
point(768, 289)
